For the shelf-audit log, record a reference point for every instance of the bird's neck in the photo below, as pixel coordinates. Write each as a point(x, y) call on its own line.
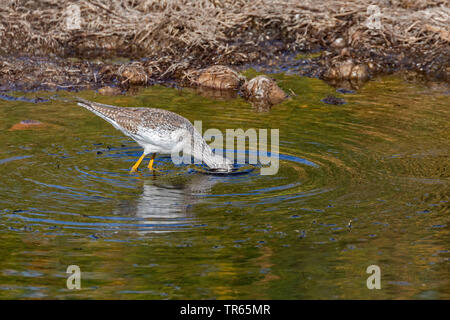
point(206, 154)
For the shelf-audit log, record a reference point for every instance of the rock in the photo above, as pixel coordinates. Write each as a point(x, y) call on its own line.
point(219, 77)
point(372, 66)
point(263, 91)
point(347, 70)
point(109, 91)
point(134, 73)
point(331, 74)
point(359, 72)
point(338, 43)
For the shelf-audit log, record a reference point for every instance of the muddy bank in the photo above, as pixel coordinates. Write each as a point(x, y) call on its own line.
point(115, 77)
point(54, 45)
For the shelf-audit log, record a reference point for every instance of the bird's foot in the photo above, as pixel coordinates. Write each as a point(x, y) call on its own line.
point(154, 170)
point(133, 170)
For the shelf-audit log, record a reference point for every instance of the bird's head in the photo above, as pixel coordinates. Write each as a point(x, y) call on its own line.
point(202, 151)
point(218, 162)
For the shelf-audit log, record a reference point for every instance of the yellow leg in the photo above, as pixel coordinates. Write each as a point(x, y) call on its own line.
point(136, 165)
point(150, 164)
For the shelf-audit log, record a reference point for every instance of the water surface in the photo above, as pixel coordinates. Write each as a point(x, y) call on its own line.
point(359, 184)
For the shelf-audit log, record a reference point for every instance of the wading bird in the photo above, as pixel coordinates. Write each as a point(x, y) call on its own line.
point(158, 131)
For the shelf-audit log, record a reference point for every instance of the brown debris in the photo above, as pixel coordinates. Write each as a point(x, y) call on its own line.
point(444, 34)
point(181, 34)
point(38, 73)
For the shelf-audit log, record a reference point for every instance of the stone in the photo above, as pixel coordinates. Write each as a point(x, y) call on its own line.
point(109, 91)
point(219, 77)
point(262, 90)
point(347, 70)
point(338, 43)
point(134, 74)
point(359, 72)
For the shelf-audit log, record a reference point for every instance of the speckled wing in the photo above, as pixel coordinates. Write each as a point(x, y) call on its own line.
point(120, 118)
point(137, 121)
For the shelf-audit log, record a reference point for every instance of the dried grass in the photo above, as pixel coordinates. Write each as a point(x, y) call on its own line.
point(179, 34)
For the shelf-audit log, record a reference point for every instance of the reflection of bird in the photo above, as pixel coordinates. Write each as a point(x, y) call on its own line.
point(165, 203)
point(158, 131)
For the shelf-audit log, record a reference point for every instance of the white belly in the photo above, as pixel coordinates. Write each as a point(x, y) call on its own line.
point(156, 142)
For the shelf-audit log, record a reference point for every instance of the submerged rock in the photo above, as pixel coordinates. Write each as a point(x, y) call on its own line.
point(347, 85)
point(218, 77)
point(262, 91)
point(109, 91)
point(26, 124)
point(333, 100)
point(217, 94)
point(347, 70)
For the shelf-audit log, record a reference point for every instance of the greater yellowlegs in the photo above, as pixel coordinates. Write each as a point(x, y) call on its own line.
point(158, 131)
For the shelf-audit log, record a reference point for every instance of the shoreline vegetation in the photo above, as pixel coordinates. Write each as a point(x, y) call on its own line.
point(123, 43)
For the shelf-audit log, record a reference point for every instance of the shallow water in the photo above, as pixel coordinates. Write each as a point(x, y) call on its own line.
point(359, 184)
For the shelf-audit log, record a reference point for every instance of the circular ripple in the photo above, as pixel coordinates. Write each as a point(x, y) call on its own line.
point(101, 195)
